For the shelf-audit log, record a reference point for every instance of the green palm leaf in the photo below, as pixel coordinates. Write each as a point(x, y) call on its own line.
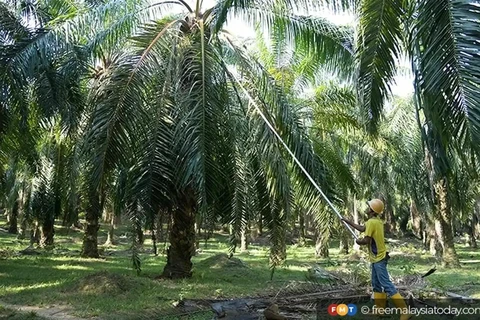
point(446, 61)
point(378, 49)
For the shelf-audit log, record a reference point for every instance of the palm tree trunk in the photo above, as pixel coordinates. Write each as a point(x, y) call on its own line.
point(110, 235)
point(443, 227)
point(64, 220)
point(392, 221)
point(344, 247)
point(260, 225)
point(416, 220)
point(473, 238)
point(166, 234)
point(243, 238)
point(23, 227)
point(90, 237)
point(278, 252)
point(474, 224)
point(35, 234)
point(139, 234)
point(344, 238)
point(253, 231)
point(154, 237)
point(182, 239)
point(198, 232)
point(159, 225)
point(390, 226)
point(431, 238)
point(47, 231)
point(321, 245)
point(302, 228)
point(23, 215)
point(308, 223)
point(13, 228)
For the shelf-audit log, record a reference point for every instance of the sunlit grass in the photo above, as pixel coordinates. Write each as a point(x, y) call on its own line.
point(71, 267)
point(43, 285)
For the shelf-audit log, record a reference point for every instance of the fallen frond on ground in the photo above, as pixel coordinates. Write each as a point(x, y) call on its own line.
point(306, 299)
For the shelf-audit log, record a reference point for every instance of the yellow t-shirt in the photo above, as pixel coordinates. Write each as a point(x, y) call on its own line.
point(374, 230)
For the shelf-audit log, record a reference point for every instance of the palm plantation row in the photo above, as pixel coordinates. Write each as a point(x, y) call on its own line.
point(129, 108)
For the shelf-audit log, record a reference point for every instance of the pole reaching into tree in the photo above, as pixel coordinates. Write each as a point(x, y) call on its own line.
point(294, 157)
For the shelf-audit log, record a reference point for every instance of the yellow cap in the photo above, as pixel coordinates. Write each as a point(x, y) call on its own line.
point(376, 205)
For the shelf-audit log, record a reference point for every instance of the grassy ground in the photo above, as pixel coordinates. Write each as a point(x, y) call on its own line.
point(14, 315)
point(61, 277)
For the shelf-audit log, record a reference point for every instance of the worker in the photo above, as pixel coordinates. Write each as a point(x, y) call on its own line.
point(378, 256)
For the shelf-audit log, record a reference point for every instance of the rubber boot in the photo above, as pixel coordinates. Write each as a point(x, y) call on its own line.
point(399, 302)
point(380, 302)
point(380, 299)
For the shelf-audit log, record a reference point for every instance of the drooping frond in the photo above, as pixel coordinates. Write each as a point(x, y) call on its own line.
point(378, 49)
point(202, 97)
point(280, 113)
point(11, 29)
point(226, 9)
point(329, 45)
point(446, 62)
point(73, 172)
point(333, 107)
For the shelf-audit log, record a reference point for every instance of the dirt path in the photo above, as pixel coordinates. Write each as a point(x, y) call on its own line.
point(53, 312)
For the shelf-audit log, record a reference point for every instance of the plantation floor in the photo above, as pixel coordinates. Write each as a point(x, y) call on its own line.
point(109, 288)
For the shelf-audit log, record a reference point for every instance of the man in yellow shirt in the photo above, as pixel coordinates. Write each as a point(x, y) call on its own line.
point(378, 256)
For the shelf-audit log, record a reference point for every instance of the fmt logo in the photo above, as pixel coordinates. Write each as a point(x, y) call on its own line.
point(342, 309)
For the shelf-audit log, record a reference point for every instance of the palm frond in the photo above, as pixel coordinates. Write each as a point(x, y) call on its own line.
point(446, 61)
point(43, 197)
point(334, 109)
point(226, 9)
point(329, 45)
point(378, 48)
point(119, 98)
point(11, 27)
point(202, 98)
point(282, 176)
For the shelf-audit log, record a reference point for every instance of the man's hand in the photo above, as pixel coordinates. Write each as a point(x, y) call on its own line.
point(354, 225)
point(363, 241)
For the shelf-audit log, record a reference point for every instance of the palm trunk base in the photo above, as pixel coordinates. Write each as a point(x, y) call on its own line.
point(47, 233)
point(278, 251)
point(90, 237)
point(243, 240)
point(179, 266)
point(443, 226)
point(321, 248)
point(450, 258)
point(12, 228)
point(182, 240)
point(90, 243)
point(110, 238)
point(35, 234)
point(23, 229)
point(13, 221)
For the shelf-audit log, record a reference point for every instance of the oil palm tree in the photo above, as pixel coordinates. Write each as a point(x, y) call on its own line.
point(179, 99)
point(42, 98)
point(439, 38)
